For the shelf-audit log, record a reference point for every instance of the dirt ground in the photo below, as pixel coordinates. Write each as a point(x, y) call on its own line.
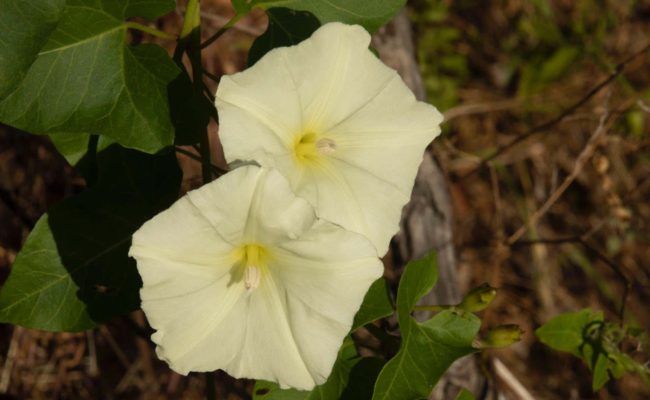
point(558, 222)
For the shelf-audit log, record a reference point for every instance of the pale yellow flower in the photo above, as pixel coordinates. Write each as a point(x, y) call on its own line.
point(239, 275)
point(340, 125)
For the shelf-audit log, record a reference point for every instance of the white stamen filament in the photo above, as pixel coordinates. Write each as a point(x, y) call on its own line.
point(251, 277)
point(325, 146)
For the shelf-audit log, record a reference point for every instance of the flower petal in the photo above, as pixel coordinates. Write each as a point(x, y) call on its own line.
point(374, 128)
point(313, 277)
point(379, 149)
point(335, 74)
point(262, 115)
point(325, 275)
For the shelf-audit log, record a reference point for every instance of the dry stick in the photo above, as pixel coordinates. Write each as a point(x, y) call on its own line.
point(9, 360)
point(509, 379)
point(618, 69)
point(577, 168)
point(598, 254)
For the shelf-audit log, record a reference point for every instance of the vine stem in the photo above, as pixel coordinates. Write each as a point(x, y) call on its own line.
point(147, 29)
point(221, 31)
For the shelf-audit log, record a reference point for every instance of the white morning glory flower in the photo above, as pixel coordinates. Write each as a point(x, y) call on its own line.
point(339, 124)
point(240, 275)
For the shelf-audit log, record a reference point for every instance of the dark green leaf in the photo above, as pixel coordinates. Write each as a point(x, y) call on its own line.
point(286, 27)
point(428, 348)
point(351, 379)
point(566, 331)
point(149, 9)
point(375, 305)
point(86, 79)
point(25, 26)
point(73, 270)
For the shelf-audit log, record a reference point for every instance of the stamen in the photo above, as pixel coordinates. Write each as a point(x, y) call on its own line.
point(253, 258)
point(251, 277)
point(325, 146)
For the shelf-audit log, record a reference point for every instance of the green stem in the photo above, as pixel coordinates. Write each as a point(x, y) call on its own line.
point(221, 31)
point(152, 31)
point(192, 18)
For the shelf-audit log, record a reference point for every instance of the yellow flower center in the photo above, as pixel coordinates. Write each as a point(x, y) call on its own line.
point(253, 258)
point(309, 149)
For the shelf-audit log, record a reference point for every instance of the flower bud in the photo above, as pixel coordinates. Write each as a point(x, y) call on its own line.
point(500, 336)
point(478, 298)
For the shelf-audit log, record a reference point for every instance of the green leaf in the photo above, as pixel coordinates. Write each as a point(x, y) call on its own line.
point(428, 348)
point(72, 146)
point(465, 395)
point(73, 270)
point(25, 26)
point(286, 27)
point(601, 376)
point(369, 14)
point(86, 79)
point(376, 304)
point(566, 331)
point(351, 379)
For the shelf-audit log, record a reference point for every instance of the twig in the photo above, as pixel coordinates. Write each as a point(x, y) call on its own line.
point(507, 377)
point(211, 76)
point(93, 367)
point(618, 70)
point(480, 108)
point(215, 170)
point(5, 379)
point(597, 253)
point(577, 168)
point(121, 356)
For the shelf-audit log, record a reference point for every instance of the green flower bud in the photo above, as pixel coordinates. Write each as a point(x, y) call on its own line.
point(500, 336)
point(478, 298)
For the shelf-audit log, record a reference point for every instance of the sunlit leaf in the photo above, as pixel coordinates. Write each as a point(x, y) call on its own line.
point(85, 78)
point(25, 25)
point(566, 332)
point(428, 348)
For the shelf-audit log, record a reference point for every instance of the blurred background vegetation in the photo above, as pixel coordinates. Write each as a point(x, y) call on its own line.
point(558, 222)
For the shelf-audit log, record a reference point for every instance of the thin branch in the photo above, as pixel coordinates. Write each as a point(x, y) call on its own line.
point(618, 70)
point(211, 76)
point(221, 31)
point(585, 154)
point(215, 170)
point(594, 251)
